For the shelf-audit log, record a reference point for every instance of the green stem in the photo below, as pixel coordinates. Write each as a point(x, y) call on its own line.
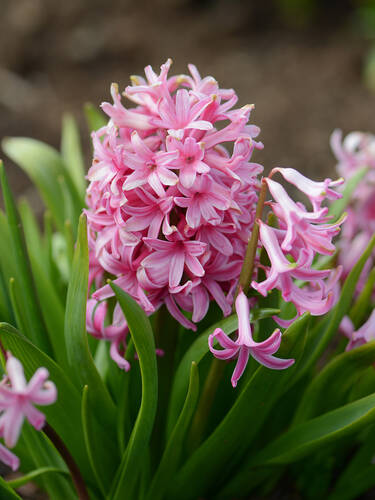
point(248, 264)
point(210, 387)
point(69, 460)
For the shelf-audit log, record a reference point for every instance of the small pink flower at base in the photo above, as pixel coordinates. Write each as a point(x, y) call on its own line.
point(17, 398)
point(245, 346)
point(366, 333)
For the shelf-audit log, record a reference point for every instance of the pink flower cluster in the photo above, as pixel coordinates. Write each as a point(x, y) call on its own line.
point(293, 245)
point(170, 208)
point(17, 398)
point(356, 151)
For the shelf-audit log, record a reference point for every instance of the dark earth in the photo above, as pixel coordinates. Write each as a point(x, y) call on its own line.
point(305, 76)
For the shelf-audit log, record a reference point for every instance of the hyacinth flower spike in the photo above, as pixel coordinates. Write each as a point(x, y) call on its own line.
point(17, 398)
point(244, 345)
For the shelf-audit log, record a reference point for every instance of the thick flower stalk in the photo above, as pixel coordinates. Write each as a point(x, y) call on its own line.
point(356, 151)
point(17, 400)
point(170, 209)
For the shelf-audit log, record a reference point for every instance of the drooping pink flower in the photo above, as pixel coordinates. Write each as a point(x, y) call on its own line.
point(17, 400)
point(354, 152)
point(245, 346)
point(301, 235)
point(366, 333)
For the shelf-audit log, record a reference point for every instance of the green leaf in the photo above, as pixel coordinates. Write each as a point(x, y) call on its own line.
point(80, 361)
point(44, 454)
point(30, 476)
point(95, 118)
point(64, 415)
point(338, 207)
point(363, 303)
point(71, 152)
point(359, 476)
point(195, 353)
point(171, 456)
point(322, 334)
point(142, 336)
point(33, 237)
point(6, 492)
point(312, 435)
point(233, 436)
point(329, 388)
point(44, 166)
point(103, 457)
point(32, 321)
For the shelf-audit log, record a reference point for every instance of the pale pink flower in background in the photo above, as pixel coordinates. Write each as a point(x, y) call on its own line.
point(17, 400)
point(245, 346)
point(365, 334)
point(356, 151)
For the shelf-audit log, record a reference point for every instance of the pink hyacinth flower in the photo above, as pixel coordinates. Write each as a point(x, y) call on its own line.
point(366, 333)
point(17, 398)
point(315, 191)
point(244, 345)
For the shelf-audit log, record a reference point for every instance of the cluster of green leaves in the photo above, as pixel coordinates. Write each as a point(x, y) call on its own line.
point(131, 434)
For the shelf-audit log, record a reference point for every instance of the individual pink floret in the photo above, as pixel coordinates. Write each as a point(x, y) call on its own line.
point(17, 400)
point(365, 334)
point(244, 345)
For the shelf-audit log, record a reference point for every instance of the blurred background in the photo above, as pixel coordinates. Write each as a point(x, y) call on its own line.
point(308, 65)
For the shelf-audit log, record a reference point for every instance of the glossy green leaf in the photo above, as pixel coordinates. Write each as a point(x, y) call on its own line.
point(322, 334)
point(80, 361)
point(52, 310)
point(33, 237)
point(338, 207)
point(44, 454)
point(359, 476)
point(103, 457)
point(94, 117)
point(71, 152)
point(32, 322)
point(44, 166)
point(363, 303)
point(233, 436)
point(312, 435)
point(171, 456)
point(195, 353)
point(142, 336)
point(330, 387)
point(64, 415)
point(6, 492)
point(30, 476)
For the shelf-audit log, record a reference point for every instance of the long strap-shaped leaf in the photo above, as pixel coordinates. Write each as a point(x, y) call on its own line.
point(143, 339)
point(332, 384)
point(45, 167)
point(303, 440)
point(236, 431)
point(170, 459)
point(313, 434)
point(33, 323)
point(103, 457)
point(30, 476)
point(322, 334)
point(80, 361)
point(6, 492)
